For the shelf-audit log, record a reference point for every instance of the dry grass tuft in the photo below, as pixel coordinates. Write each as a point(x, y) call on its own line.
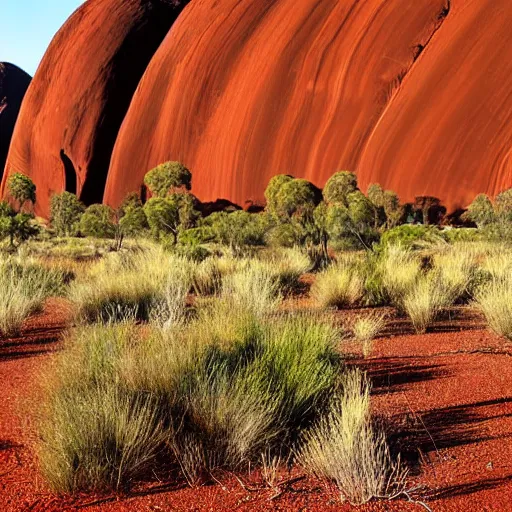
point(366, 328)
point(344, 447)
point(338, 286)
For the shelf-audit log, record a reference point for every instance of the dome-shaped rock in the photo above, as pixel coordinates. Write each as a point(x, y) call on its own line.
point(80, 94)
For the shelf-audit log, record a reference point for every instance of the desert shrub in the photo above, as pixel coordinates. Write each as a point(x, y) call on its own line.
point(375, 292)
point(238, 230)
point(253, 287)
point(93, 433)
point(21, 188)
point(346, 449)
point(495, 301)
point(196, 253)
point(207, 278)
point(98, 221)
point(200, 397)
point(163, 217)
point(458, 273)
point(65, 213)
point(412, 236)
point(340, 285)
point(399, 270)
point(132, 218)
point(127, 285)
point(481, 211)
point(166, 177)
point(273, 189)
point(425, 300)
point(25, 285)
point(196, 236)
point(366, 328)
point(288, 265)
point(457, 235)
point(17, 227)
point(339, 186)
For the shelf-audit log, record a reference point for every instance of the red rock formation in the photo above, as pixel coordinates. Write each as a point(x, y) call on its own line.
point(79, 96)
point(412, 94)
point(241, 90)
point(13, 85)
point(448, 130)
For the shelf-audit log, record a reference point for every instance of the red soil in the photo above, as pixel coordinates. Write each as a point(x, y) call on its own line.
point(446, 396)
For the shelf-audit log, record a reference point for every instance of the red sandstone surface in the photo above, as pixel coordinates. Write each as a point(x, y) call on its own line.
point(13, 85)
point(445, 395)
point(414, 95)
point(80, 94)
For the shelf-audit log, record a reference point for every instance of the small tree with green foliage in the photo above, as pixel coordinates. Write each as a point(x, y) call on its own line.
point(339, 186)
point(21, 188)
point(393, 210)
point(66, 211)
point(163, 217)
point(98, 221)
point(238, 229)
point(167, 177)
point(480, 211)
point(132, 218)
point(18, 227)
point(503, 206)
point(296, 197)
point(272, 191)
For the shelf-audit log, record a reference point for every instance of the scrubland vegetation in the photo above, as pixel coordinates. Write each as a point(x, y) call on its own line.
point(214, 342)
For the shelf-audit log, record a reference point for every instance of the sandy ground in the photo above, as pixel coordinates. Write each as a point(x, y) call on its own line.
point(446, 398)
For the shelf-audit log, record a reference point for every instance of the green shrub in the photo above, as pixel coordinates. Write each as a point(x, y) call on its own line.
point(216, 402)
point(425, 300)
point(168, 176)
point(98, 221)
point(339, 186)
point(253, 287)
point(21, 188)
point(344, 447)
point(339, 286)
point(133, 221)
point(495, 301)
point(128, 286)
point(412, 236)
point(66, 211)
point(25, 286)
point(238, 229)
point(18, 227)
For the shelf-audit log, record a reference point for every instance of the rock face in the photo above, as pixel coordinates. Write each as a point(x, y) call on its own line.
point(448, 131)
point(13, 85)
point(413, 95)
point(79, 96)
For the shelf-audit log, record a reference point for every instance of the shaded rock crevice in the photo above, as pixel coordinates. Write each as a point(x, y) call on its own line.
point(13, 85)
point(125, 73)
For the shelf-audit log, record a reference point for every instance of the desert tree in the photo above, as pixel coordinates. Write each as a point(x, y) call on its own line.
point(21, 188)
point(66, 211)
point(167, 177)
point(339, 186)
